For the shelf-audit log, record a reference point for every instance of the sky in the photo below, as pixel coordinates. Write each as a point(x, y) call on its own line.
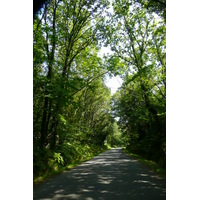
point(114, 83)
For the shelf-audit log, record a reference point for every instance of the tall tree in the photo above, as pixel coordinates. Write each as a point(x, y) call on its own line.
point(68, 28)
point(138, 40)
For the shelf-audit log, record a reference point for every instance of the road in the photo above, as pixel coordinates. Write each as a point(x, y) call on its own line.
point(112, 175)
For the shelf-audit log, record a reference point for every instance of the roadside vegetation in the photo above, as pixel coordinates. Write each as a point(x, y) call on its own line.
point(155, 167)
point(74, 114)
point(53, 163)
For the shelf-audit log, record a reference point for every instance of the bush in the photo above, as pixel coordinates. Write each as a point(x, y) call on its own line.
point(47, 162)
point(40, 161)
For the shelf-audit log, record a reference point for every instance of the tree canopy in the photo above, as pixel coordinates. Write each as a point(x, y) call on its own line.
point(73, 110)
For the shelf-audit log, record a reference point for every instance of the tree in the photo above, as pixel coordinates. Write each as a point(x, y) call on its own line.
point(156, 6)
point(67, 29)
point(138, 41)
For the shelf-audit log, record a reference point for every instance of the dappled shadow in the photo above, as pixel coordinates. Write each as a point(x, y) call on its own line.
point(111, 175)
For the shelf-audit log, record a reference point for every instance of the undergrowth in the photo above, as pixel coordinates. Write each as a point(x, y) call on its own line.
point(155, 167)
point(47, 163)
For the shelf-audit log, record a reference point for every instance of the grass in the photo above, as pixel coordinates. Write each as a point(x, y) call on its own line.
point(149, 164)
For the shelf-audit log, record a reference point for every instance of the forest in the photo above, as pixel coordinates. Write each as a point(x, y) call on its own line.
point(74, 114)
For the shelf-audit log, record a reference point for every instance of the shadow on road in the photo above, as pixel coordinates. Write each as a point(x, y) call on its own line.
point(111, 175)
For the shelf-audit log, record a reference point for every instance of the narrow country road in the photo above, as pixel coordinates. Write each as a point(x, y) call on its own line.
point(112, 175)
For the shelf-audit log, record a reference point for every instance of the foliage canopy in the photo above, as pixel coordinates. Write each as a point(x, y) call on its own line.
point(73, 110)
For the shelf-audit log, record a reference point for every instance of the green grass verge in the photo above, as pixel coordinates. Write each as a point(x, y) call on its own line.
point(58, 170)
point(148, 163)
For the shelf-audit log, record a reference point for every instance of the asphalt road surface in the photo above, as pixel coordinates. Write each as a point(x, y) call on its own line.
point(112, 175)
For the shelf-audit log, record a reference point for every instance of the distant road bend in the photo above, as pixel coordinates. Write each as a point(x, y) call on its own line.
point(112, 175)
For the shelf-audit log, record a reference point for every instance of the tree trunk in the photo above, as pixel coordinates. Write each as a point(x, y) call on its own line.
point(47, 101)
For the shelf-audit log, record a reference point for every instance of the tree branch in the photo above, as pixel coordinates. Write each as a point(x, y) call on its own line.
point(88, 83)
point(44, 13)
